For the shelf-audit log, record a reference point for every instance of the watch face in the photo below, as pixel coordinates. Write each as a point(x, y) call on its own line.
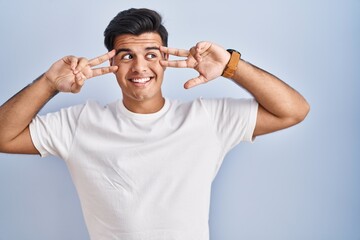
point(231, 50)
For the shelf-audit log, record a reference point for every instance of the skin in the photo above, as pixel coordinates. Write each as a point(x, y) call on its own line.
point(140, 74)
point(139, 67)
point(280, 106)
point(66, 75)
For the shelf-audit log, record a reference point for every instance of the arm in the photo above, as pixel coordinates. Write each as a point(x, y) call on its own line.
point(66, 75)
point(280, 106)
point(17, 113)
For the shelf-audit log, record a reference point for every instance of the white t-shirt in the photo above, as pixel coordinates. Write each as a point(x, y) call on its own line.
point(145, 176)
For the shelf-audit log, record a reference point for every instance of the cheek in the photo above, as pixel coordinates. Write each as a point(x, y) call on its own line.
point(157, 67)
point(121, 77)
point(122, 70)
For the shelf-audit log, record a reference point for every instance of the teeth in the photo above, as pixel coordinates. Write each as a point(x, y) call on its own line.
point(140, 80)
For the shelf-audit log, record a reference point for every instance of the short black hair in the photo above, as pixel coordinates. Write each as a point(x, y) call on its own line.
point(134, 21)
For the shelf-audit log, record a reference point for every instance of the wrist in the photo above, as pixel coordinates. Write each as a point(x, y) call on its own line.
point(231, 66)
point(47, 84)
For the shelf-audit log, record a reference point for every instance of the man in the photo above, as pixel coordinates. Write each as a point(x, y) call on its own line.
point(143, 166)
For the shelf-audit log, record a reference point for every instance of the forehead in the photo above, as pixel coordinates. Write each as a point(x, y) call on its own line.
point(138, 41)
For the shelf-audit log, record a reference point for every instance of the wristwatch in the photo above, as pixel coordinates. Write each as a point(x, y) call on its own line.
point(232, 64)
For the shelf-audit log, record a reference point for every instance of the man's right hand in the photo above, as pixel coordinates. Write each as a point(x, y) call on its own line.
point(69, 73)
point(66, 75)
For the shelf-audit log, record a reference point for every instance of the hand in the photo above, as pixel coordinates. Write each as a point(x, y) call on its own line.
point(207, 58)
point(69, 73)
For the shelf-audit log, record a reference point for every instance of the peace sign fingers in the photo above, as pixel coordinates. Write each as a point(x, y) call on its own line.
point(188, 62)
point(84, 67)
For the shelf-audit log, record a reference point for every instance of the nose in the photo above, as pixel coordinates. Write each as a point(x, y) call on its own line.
point(139, 65)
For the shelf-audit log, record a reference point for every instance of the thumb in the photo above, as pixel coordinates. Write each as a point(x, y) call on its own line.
point(195, 82)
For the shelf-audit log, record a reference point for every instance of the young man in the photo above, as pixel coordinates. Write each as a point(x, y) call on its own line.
point(143, 166)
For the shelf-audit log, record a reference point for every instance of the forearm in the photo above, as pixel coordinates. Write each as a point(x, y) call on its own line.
point(271, 93)
point(17, 113)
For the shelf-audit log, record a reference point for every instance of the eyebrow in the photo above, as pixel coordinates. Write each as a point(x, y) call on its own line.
point(129, 50)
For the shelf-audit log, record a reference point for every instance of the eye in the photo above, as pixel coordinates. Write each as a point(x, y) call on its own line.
point(126, 57)
point(151, 55)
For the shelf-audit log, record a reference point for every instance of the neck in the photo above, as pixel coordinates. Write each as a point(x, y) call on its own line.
point(144, 107)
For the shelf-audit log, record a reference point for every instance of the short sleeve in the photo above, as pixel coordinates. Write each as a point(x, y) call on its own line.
point(234, 120)
point(53, 133)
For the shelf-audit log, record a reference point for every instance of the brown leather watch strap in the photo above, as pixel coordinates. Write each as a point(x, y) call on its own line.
point(232, 64)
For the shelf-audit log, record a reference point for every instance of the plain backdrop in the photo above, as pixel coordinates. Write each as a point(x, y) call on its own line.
point(299, 183)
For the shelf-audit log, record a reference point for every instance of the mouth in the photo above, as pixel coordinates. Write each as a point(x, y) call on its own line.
point(141, 81)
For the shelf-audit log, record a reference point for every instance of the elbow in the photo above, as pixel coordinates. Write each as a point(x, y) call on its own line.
point(2, 144)
point(305, 109)
point(301, 112)
point(3, 147)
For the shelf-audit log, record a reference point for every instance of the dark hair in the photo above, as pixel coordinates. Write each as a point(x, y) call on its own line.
point(134, 21)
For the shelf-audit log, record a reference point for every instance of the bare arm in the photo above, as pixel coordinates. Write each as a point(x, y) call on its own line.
point(17, 113)
point(66, 75)
point(280, 106)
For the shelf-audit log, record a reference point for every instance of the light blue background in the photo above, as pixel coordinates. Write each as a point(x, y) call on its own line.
point(301, 183)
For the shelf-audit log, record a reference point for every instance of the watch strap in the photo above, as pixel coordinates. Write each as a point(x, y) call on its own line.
point(232, 64)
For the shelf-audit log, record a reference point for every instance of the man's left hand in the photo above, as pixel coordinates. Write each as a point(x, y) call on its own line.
point(207, 58)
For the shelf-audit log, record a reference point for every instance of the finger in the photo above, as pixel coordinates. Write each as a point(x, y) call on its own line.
point(174, 63)
point(72, 61)
point(81, 64)
point(101, 59)
point(175, 51)
point(188, 63)
point(79, 82)
point(80, 77)
point(75, 88)
point(195, 82)
point(103, 70)
point(199, 49)
point(203, 46)
point(196, 52)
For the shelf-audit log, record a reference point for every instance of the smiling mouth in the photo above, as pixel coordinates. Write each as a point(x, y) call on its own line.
point(140, 80)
